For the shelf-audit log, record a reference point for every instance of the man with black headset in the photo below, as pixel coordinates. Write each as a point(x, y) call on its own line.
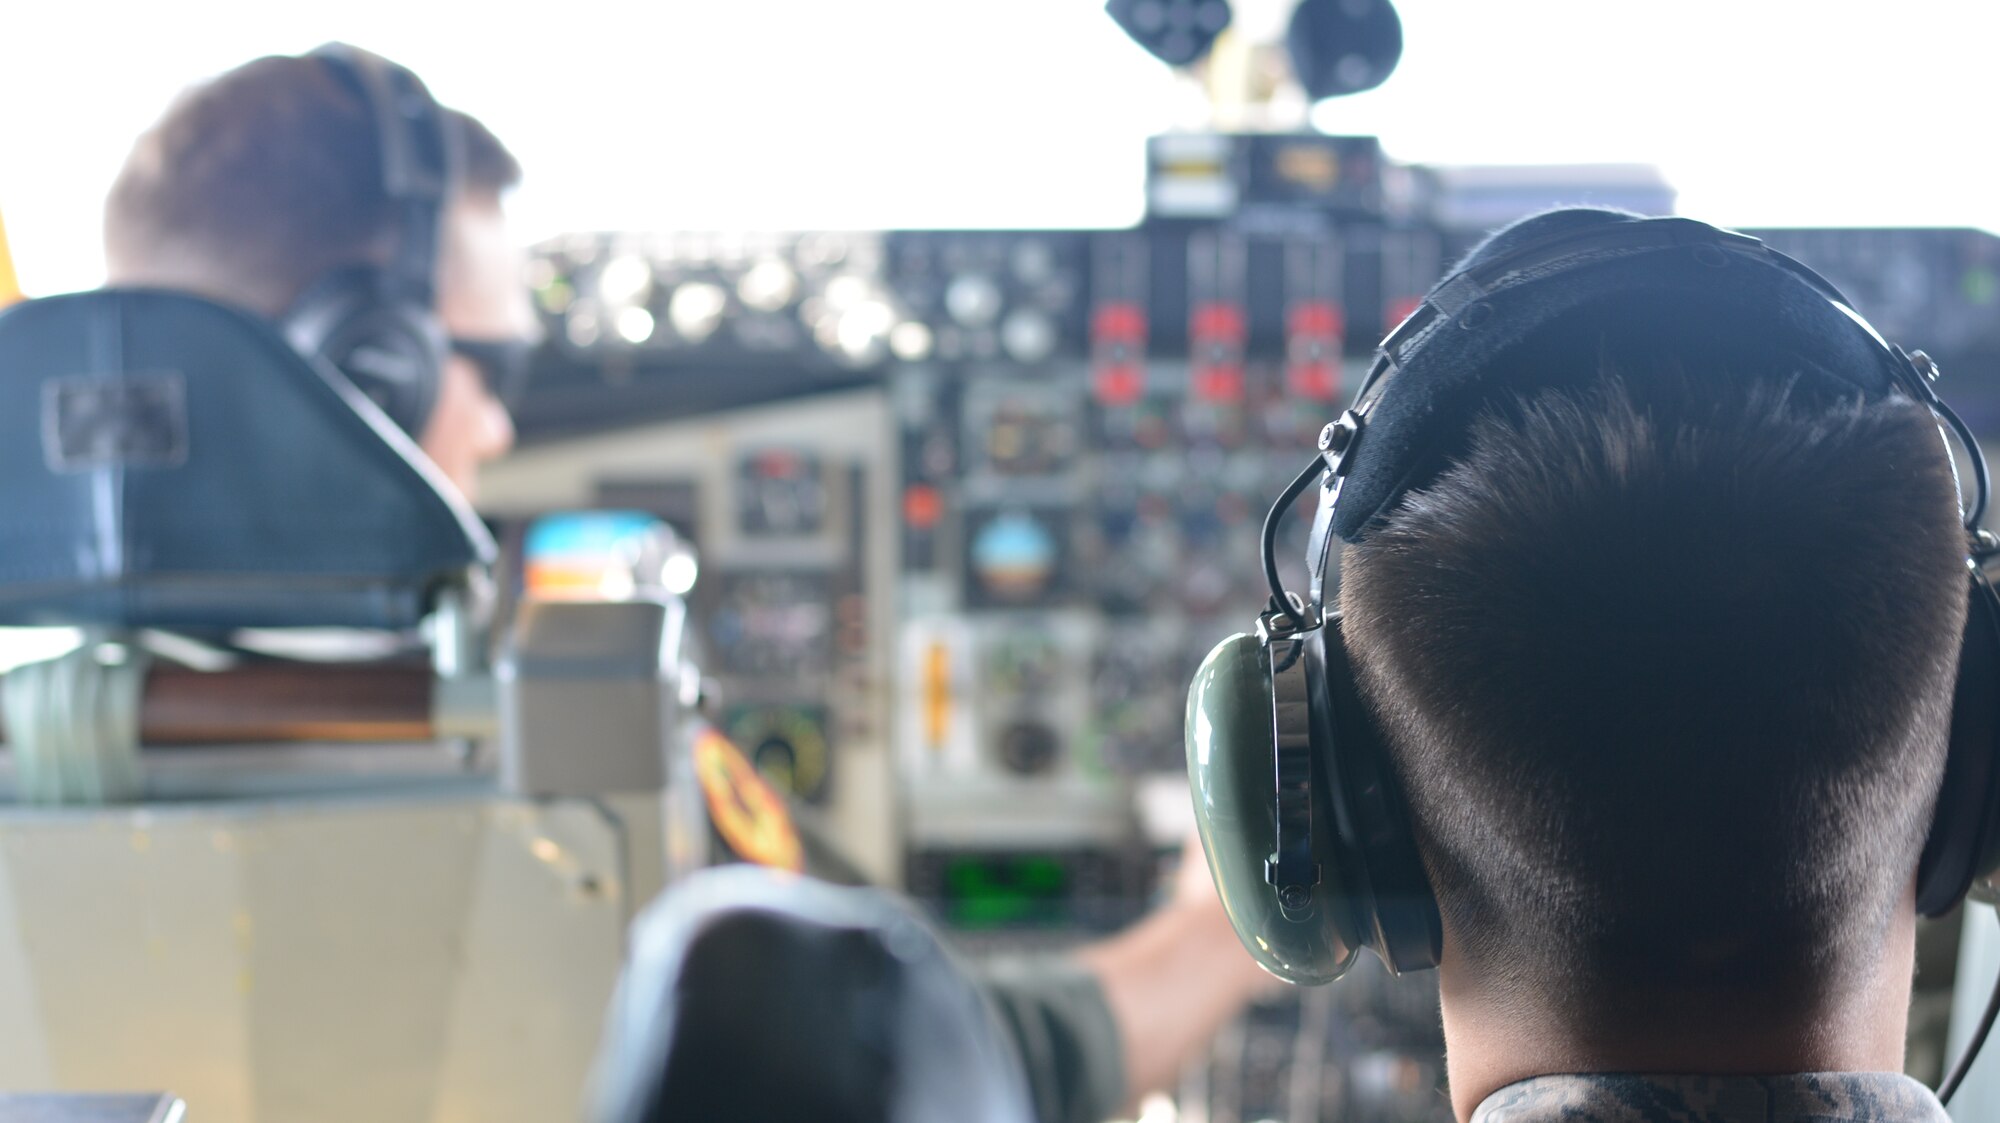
point(271, 188)
point(1651, 708)
point(330, 194)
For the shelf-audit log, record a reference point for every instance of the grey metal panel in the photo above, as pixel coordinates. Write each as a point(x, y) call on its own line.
point(318, 960)
point(589, 696)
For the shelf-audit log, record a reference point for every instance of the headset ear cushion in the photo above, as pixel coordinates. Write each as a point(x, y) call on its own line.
point(1400, 920)
point(1232, 766)
point(391, 349)
point(1964, 843)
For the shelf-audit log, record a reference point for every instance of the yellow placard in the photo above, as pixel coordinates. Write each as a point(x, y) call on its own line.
point(10, 285)
point(749, 815)
point(937, 695)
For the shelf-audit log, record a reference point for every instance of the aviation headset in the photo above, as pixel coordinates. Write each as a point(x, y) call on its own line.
point(377, 324)
point(1307, 836)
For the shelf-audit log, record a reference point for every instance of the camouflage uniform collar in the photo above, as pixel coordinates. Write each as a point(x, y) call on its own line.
point(1820, 1097)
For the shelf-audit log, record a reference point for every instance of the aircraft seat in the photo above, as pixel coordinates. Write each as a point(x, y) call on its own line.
point(752, 994)
point(166, 461)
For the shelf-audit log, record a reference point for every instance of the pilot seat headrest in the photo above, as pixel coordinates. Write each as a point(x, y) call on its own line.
point(170, 462)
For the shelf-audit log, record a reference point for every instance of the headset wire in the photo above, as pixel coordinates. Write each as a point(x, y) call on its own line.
point(1949, 1085)
point(1280, 601)
point(1981, 484)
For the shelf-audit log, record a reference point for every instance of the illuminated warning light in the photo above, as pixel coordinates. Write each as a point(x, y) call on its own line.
point(1219, 382)
point(1315, 318)
point(1118, 346)
point(1317, 381)
point(777, 464)
point(1119, 321)
point(1221, 322)
point(1312, 350)
point(923, 507)
point(1215, 321)
point(1119, 384)
point(1216, 331)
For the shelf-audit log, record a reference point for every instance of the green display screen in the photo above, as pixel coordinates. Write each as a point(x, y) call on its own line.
point(1006, 892)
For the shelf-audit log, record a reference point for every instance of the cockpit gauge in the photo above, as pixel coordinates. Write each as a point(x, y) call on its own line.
point(780, 492)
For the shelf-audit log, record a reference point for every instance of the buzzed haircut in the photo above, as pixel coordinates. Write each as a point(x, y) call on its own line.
point(1665, 660)
point(258, 182)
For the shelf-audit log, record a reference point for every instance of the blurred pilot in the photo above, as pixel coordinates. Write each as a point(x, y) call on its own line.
point(265, 183)
point(259, 185)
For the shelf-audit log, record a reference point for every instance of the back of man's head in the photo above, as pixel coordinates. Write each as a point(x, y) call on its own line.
point(260, 181)
point(1665, 661)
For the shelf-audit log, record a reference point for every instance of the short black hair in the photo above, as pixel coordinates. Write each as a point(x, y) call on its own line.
point(259, 181)
point(1664, 659)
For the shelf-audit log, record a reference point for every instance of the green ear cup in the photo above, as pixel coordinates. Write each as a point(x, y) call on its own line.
point(1232, 770)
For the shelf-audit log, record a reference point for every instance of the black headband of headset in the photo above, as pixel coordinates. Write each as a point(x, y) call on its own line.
point(419, 148)
point(1726, 289)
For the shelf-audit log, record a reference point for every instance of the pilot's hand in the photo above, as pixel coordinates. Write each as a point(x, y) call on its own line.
point(1194, 892)
point(1193, 883)
point(1174, 978)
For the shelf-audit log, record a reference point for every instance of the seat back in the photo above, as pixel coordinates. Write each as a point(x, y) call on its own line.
point(166, 461)
point(753, 994)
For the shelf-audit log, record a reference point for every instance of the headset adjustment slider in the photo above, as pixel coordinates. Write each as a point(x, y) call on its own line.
point(1274, 623)
point(1337, 440)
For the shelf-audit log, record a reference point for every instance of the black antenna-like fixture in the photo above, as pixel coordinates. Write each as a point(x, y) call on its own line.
point(1177, 32)
point(1341, 47)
